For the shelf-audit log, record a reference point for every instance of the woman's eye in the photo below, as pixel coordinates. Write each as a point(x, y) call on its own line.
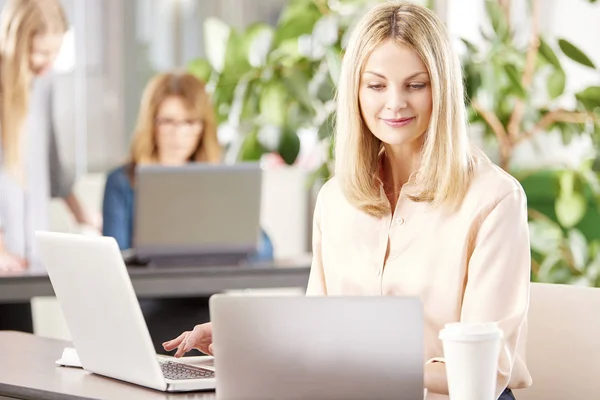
point(416, 86)
point(375, 86)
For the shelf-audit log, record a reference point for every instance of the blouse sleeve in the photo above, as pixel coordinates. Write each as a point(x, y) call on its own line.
point(316, 280)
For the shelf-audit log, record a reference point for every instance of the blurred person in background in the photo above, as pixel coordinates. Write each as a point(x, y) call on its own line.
point(176, 125)
point(31, 34)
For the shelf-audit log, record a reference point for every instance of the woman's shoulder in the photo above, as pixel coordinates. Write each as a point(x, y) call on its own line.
point(491, 183)
point(119, 177)
point(330, 191)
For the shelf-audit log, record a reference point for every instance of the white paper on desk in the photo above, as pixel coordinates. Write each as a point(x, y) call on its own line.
point(69, 358)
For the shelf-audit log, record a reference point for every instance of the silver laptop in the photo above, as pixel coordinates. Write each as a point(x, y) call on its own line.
point(197, 211)
point(291, 348)
point(267, 347)
point(109, 332)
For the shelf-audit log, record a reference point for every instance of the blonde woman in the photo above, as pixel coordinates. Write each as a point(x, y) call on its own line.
point(412, 209)
point(31, 33)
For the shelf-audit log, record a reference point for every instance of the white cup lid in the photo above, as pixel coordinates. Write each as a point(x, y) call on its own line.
point(471, 331)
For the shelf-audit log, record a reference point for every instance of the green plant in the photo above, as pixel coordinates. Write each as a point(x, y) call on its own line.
point(515, 94)
point(505, 81)
point(563, 257)
point(270, 83)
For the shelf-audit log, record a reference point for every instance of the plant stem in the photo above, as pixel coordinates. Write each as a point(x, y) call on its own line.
point(496, 125)
point(560, 115)
point(517, 115)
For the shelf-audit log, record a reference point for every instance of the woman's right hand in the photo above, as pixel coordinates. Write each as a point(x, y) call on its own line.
point(11, 263)
point(200, 338)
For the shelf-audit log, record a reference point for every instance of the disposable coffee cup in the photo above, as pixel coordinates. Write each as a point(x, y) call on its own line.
point(471, 352)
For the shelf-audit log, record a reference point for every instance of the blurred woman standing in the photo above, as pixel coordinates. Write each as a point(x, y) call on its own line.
point(31, 34)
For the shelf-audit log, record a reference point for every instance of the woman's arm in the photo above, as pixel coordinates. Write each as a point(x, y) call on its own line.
point(81, 214)
point(115, 209)
point(497, 288)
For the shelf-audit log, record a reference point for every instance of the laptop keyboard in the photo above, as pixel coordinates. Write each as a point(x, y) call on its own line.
point(178, 371)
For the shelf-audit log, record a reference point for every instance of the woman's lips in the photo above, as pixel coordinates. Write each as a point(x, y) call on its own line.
point(398, 122)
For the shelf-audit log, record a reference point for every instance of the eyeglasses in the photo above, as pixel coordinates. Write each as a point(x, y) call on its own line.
point(193, 126)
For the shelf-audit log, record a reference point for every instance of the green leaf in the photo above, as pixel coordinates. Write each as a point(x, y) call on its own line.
point(470, 46)
point(216, 37)
point(566, 183)
point(570, 209)
point(289, 146)
point(546, 51)
point(579, 248)
point(201, 69)
point(473, 80)
point(273, 103)
point(297, 19)
point(334, 64)
point(296, 81)
point(515, 80)
point(326, 91)
point(497, 18)
point(326, 129)
point(251, 149)
point(546, 235)
point(550, 262)
point(257, 43)
point(574, 53)
point(236, 58)
point(590, 97)
point(556, 83)
point(250, 108)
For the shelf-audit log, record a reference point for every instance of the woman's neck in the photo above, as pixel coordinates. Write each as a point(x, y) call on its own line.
point(399, 163)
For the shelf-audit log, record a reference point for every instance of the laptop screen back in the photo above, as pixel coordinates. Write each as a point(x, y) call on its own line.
point(197, 209)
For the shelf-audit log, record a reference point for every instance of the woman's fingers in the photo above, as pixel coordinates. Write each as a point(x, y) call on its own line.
point(174, 343)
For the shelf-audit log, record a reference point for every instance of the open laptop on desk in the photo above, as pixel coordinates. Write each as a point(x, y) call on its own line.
point(196, 214)
point(284, 348)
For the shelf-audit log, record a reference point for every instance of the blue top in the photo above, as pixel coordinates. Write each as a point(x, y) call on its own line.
point(118, 212)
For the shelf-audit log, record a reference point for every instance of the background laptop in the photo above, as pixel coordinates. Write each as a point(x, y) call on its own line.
point(201, 214)
point(92, 285)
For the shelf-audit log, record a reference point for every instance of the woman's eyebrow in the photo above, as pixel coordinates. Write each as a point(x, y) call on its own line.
point(408, 78)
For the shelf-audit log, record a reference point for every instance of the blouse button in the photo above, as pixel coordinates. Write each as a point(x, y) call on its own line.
point(399, 221)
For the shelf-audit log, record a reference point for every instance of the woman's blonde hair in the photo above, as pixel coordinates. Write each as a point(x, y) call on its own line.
point(193, 93)
point(446, 161)
point(20, 21)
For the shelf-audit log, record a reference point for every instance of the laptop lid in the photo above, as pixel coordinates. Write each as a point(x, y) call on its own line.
point(102, 312)
point(197, 209)
point(318, 347)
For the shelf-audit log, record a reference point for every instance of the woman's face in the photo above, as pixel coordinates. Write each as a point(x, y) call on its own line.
point(177, 130)
point(395, 95)
point(44, 49)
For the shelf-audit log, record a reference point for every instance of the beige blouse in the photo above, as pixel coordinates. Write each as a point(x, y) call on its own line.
point(472, 264)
